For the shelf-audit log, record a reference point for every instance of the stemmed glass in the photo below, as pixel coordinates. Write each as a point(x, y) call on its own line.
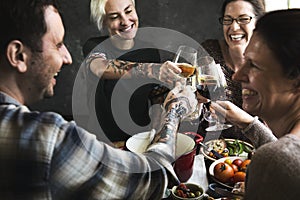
point(186, 59)
point(211, 83)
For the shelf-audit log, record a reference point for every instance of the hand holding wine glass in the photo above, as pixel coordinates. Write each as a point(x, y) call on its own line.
point(211, 84)
point(186, 59)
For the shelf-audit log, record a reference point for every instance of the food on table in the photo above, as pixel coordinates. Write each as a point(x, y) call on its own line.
point(228, 161)
point(223, 172)
point(234, 167)
point(184, 191)
point(244, 165)
point(231, 173)
point(217, 145)
point(228, 147)
point(237, 162)
point(239, 176)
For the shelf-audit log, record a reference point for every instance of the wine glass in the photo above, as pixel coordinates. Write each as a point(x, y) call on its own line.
point(211, 84)
point(186, 60)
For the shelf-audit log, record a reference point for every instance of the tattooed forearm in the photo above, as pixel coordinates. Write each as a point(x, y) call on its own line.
point(169, 130)
point(181, 109)
point(113, 68)
point(121, 67)
point(143, 70)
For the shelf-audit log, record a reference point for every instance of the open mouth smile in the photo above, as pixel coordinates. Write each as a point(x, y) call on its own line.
point(248, 92)
point(237, 37)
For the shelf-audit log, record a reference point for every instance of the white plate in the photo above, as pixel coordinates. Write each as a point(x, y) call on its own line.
point(139, 142)
point(205, 153)
point(211, 168)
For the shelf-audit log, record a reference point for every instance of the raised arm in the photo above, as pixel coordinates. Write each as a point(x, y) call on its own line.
point(178, 104)
point(105, 68)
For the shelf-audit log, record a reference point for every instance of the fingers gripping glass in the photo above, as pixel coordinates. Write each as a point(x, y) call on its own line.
point(186, 59)
point(227, 20)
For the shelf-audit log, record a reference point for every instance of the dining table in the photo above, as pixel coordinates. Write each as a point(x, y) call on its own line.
point(200, 174)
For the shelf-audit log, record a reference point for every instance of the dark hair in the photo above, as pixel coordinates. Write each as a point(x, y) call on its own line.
point(258, 6)
point(23, 20)
point(281, 31)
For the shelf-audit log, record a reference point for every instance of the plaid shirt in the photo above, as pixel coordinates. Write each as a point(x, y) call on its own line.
point(42, 156)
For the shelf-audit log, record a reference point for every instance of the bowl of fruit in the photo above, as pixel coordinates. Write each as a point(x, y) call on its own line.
point(188, 191)
point(228, 171)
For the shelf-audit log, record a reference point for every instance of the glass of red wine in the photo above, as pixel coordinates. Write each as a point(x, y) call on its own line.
point(211, 84)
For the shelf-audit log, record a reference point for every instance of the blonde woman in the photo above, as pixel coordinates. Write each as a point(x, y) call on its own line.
point(120, 55)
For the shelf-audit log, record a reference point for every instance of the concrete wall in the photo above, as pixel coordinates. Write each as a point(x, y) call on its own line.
point(197, 19)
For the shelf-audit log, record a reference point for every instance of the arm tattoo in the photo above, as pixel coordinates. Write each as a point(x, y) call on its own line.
point(120, 67)
point(185, 99)
point(143, 70)
point(169, 130)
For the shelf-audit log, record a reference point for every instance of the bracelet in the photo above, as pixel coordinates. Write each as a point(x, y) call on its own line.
point(250, 125)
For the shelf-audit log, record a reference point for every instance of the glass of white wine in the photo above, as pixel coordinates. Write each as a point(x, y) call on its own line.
point(186, 60)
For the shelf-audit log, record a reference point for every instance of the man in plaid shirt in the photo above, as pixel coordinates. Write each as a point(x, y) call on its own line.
point(42, 156)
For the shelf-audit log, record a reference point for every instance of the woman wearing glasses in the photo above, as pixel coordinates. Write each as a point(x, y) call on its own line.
point(238, 18)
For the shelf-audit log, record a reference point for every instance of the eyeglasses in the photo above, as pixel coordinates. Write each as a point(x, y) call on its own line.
point(227, 20)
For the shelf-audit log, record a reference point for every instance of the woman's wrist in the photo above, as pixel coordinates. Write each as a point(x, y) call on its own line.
point(249, 125)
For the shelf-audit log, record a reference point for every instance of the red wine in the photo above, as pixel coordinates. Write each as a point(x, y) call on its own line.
point(209, 88)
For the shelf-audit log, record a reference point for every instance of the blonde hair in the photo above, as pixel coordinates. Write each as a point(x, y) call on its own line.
point(98, 12)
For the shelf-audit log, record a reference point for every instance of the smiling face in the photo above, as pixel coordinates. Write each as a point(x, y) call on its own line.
point(238, 35)
point(44, 66)
point(266, 92)
point(121, 18)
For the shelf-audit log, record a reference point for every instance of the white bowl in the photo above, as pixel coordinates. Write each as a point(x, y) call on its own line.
point(212, 166)
point(206, 153)
point(139, 142)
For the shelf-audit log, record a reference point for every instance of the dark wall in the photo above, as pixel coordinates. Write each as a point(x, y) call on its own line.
point(197, 19)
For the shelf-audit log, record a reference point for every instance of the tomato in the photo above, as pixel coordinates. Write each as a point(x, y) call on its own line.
point(228, 161)
point(234, 167)
point(239, 177)
point(244, 165)
point(223, 172)
point(237, 162)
